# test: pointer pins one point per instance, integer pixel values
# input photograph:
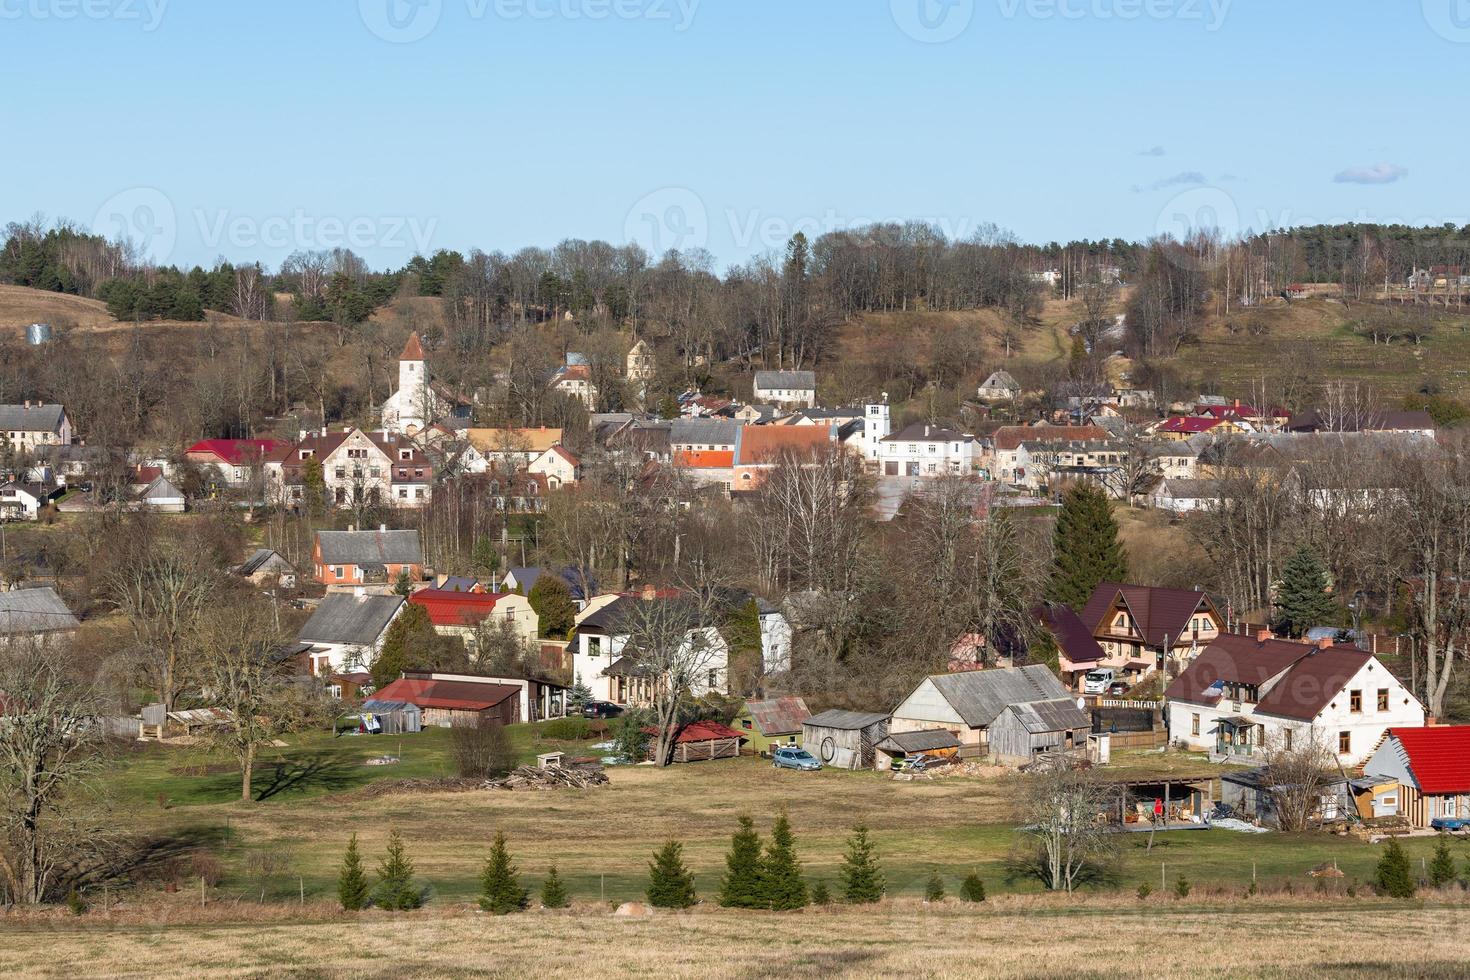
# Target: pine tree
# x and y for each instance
(579, 695)
(741, 886)
(500, 891)
(1393, 877)
(821, 895)
(396, 890)
(552, 602)
(553, 892)
(1087, 549)
(1442, 867)
(972, 889)
(404, 584)
(670, 884)
(781, 883)
(1302, 600)
(934, 888)
(862, 878)
(352, 884)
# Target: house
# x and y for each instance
(791, 389)
(922, 450)
(845, 739)
(25, 501)
(161, 496)
(233, 463)
(1180, 428)
(601, 660)
(1023, 731)
(642, 365)
(455, 700)
(575, 381)
(351, 558)
(418, 402)
(558, 465)
(35, 616)
(1414, 423)
(771, 722)
(703, 435)
(1007, 455)
(269, 569)
(347, 630)
(761, 448)
(757, 414)
(1245, 695)
(468, 615)
(355, 468)
(938, 744)
(1041, 464)
(1422, 775)
(1077, 650)
(1140, 628)
(509, 450)
(1185, 496)
(966, 704)
(30, 426)
(581, 583)
(701, 741)
(1000, 387)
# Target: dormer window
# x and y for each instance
(405, 455)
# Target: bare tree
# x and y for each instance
(163, 589)
(1296, 777)
(1060, 813)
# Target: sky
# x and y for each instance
(207, 128)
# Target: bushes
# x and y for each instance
(500, 890)
(1393, 877)
(1442, 866)
(741, 886)
(934, 888)
(482, 752)
(670, 883)
(553, 892)
(396, 890)
(782, 886)
(862, 878)
(972, 889)
(567, 729)
(352, 885)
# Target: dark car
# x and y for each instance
(601, 709)
(1118, 689)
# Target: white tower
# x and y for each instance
(408, 410)
(877, 426)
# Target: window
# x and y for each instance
(1383, 699)
(1286, 734)
(1344, 743)
(1194, 725)
(341, 473)
(1355, 702)
(339, 571)
(714, 678)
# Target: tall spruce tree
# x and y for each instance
(781, 883)
(501, 892)
(1393, 876)
(352, 884)
(396, 890)
(1302, 600)
(670, 884)
(553, 891)
(551, 600)
(1087, 550)
(862, 879)
(1442, 865)
(741, 886)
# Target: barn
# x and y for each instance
(844, 739)
(460, 703)
(701, 741)
(1025, 730)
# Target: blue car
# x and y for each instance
(794, 757)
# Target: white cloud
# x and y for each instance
(1153, 151)
(1379, 173)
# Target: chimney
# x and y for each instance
(1326, 643)
(360, 593)
(926, 432)
(382, 528)
(1263, 636)
(649, 593)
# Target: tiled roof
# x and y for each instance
(705, 459)
(1312, 683)
(1159, 615)
(413, 350)
(1009, 438)
(1191, 424)
(920, 432)
(1073, 637)
(513, 440)
(766, 443)
(1438, 757)
(785, 380)
(237, 452)
(1234, 659)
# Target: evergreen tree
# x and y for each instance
(781, 883)
(1393, 877)
(670, 884)
(314, 482)
(553, 892)
(404, 585)
(934, 888)
(500, 891)
(821, 895)
(1442, 867)
(552, 602)
(396, 890)
(579, 695)
(741, 886)
(1302, 600)
(352, 884)
(1088, 552)
(862, 878)
(972, 889)
(483, 556)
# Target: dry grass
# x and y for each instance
(1006, 938)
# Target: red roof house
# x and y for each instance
(1423, 774)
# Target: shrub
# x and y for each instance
(74, 903)
(553, 892)
(1181, 887)
(566, 729)
(482, 751)
(972, 889)
(862, 878)
(352, 885)
(1144, 891)
(934, 888)
(500, 891)
(1393, 877)
(820, 894)
(396, 890)
(632, 741)
(741, 886)
(670, 883)
(1442, 867)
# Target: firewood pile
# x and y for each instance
(551, 777)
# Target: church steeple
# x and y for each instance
(413, 350)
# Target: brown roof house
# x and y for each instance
(1140, 628)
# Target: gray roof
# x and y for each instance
(351, 619)
(34, 611)
(704, 432)
(36, 418)
(161, 489)
(928, 741)
(1001, 379)
(786, 379)
(920, 432)
(1190, 489)
(370, 547)
(979, 696)
(1060, 715)
(258, 560)
(844, 720)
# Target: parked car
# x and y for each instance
(1097, 681)
(794, 757)
(1118, 689)
(601, 710)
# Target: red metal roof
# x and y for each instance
(702, 731)
(706, 459)
(456, 608)
(1189, 425)
(450, 695)
(1439, 757)
(237, 452)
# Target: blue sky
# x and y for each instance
(251, 129)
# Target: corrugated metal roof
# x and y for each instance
(34, 611)
(778, 716)
(845, 720)
(929, 741)
(370, 547)
(1060, 715)
(351, 619)
(981, 695)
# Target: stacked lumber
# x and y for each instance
(551, 777)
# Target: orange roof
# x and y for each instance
(1010, 437)
(764, 443)
(413, 350)
(718, 459)
(513, 440)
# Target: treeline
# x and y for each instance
(1357, 256)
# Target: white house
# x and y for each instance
(347, 630)
(927, 450)
(1000, 387)
(598, 659)
(30, 425)
(792, 389)
(23, 501)
(1184, 496)
(559, 465)
(1244, 695)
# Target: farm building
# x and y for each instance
(967, 704)
(35, 616)
(702, 741)
(845, 739)
(386, 717)
(935, 744)
(1422, 775)
(1023, 731)
(459, 703)
(776, 721)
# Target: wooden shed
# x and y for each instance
(1023, 731)
(938, 743)
(702, 741)
(844, 739)
(456, 703)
